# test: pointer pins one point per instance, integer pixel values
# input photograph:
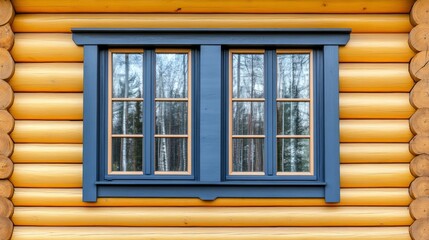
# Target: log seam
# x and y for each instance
(7, 121)
(419, 121)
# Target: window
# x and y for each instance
(211, 113)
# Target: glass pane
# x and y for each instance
(127, 154)
(127, 117)
(171, 154)
(293, 118)
(293, 75)
(248, 118)
(293, 155)
(171, 118)
(247, 75)
(127, 75)
(171, 75)
(247, 155)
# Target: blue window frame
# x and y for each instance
(210, 175)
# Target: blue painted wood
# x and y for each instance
(149, 103)
(90, 123)
(270, 112)
(243, 37)
(210, 112)
(331, 124)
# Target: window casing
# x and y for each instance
(210, 129)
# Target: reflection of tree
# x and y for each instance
(171, 116)
(127, 116)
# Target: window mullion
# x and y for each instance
(148, 132)
(270, 113)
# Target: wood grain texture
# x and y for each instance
(214, 217)
(372, 153)
(198, 233)
(419, 12)
(419, 145)
(72, 197)
(49, 106)
(418, 66)
(47, 77)
(419, 166)
(47, 132)
(70, 175)
(6, 188)
(207, 6)
(375, 105)
(7, 66)
(419, 230)
(7, 37)
(359, 23)
(419, 96)
(419, 38)
(6, 167)
(374, 77)
(6, 227)
(419, 208)
(6, 121)
(47, 153)
(6, 144)
(6, 12)
(57, 47)
(419, 122)
(375, 131)
(6, 207)
(6, 95)
(420, 187)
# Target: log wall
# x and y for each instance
(374, 109)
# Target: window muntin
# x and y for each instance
(248, 113)
(171, 113)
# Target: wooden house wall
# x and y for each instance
(374, 126)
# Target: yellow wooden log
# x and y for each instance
(419, 122)
(7, 66)
(6, 12)
(418, 14)
(6, 228)
(376, 48)
(207, 6)
(68, 106)
(382, 175)
(72, 197)
(419, 38)
(351, 131)
(419, 230)
(6, 167)
(349, 153)
(6, 189)
(419, 208)
(50, 106)
(375, 131)
(52, 47)
(47, 132)
(6, 121)
(70, 175)
(374, 77)
(419, 167)
(372, 153)
(420, 187)
(419, 96)
(6, 207)
(47, 77)
(6, 144)
(366, 23)
(7, 37)
(197, 233)
(418, 66)
(374, 105)
(55, 47)
(47, 153)
(214, 217)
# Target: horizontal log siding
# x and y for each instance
(374, 110)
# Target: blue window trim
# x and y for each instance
(210, 150)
